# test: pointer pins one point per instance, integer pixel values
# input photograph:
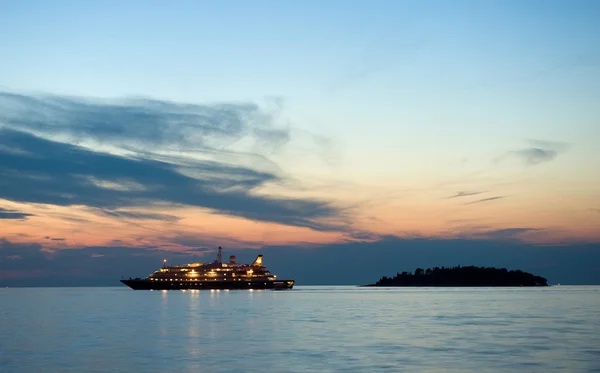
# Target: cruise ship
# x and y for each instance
(212, 275)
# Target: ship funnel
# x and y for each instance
(257, 261)
(232, 259)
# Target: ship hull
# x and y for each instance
(143, 284)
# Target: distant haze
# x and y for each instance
(341, 264)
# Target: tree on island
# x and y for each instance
(463, 276)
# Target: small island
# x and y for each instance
(462, 276)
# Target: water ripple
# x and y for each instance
(309, 329)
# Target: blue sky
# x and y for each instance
(200, 50)
(435, 68)
(351, 119)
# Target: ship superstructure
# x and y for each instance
(212, 275)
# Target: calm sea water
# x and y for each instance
(307, 329)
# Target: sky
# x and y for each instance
(171, 128)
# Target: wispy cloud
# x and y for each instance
(54, 238)
(536, 155)
(484, 200)
(540, 152)
(116, 157)
(507, 233)
(145, 124)
(13, 214)
(139, 215)
(464, 194)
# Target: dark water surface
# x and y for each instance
(307, 329)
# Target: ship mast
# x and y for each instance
(220, 255)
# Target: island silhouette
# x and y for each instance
(462, 276)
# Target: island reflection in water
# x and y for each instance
(308, 329)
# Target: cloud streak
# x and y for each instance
(144, 124)
(536, 155)
(13, 214)
(139, 215)
(507, 233)
(54, 238)
(484, 200)
(464, 194)
(68, 175)
(159, 153)
(539, 152)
